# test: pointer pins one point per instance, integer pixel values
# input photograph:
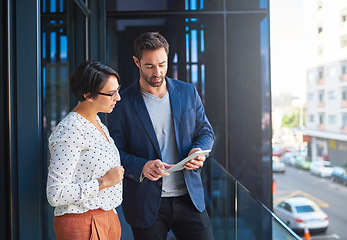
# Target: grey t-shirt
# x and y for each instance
(160, 113)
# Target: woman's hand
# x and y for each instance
(111, 178)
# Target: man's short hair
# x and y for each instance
(149, 41)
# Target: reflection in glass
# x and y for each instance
(235, 213)
(164, 5)
(54, 79)
(246, 4)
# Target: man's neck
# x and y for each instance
(156, 91)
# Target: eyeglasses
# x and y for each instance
(112, 95)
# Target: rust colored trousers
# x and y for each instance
(92, 225)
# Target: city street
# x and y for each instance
(330, 196)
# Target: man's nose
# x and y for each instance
(157, 72)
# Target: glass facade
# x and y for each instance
(221, 47)
(55, 93)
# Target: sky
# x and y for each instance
(286, 48)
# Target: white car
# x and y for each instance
(301, 212)
(278, 165)
(321, 168)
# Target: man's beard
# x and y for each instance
(153, 84)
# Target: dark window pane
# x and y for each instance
(55, 91)
(246, 4)
(164, 5)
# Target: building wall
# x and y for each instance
(326, 67)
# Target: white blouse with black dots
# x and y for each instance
(79, 155)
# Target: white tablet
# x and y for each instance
(179, 166)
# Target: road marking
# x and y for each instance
(335, 236)
(326, 237)
(299, 192)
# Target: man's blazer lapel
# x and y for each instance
(175, 102)
(143, 115)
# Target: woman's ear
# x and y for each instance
(88, 97)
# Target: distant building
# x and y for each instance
(326, 114)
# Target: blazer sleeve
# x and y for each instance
(203, 136)
(119, 125)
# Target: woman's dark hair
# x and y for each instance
(149, 41)
(90, 77)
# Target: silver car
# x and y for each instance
(321, 168)
(301, 212)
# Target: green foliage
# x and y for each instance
(291, 121)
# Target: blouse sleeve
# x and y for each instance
(66, 144)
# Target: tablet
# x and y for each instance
(179, 165)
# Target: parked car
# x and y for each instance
(278, 165)
(321, 168)
(339, 174)
(302, 162)
(277, 150)
(301, 212)
(289, 158)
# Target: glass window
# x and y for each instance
(304, 209)
(54, 63)
(331, 119)
(320, 73)
(343, 68)
(321, 96)
(331, 95)
(286, 206)
(344, 120)
(321, 118)
(246, 4)
(311, 118)
(163, 5)
(55, 91)
(320, 29)
(344, 94)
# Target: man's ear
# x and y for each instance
(137, 61)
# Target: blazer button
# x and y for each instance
(131, 176)
(159, 184)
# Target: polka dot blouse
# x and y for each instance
(79, 155)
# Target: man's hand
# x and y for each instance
(195, 163)
(154, 169)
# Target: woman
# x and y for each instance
(84, 181)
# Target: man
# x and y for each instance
(159, 122)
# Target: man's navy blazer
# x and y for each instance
(132, 130)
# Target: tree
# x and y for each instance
(292, 120)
